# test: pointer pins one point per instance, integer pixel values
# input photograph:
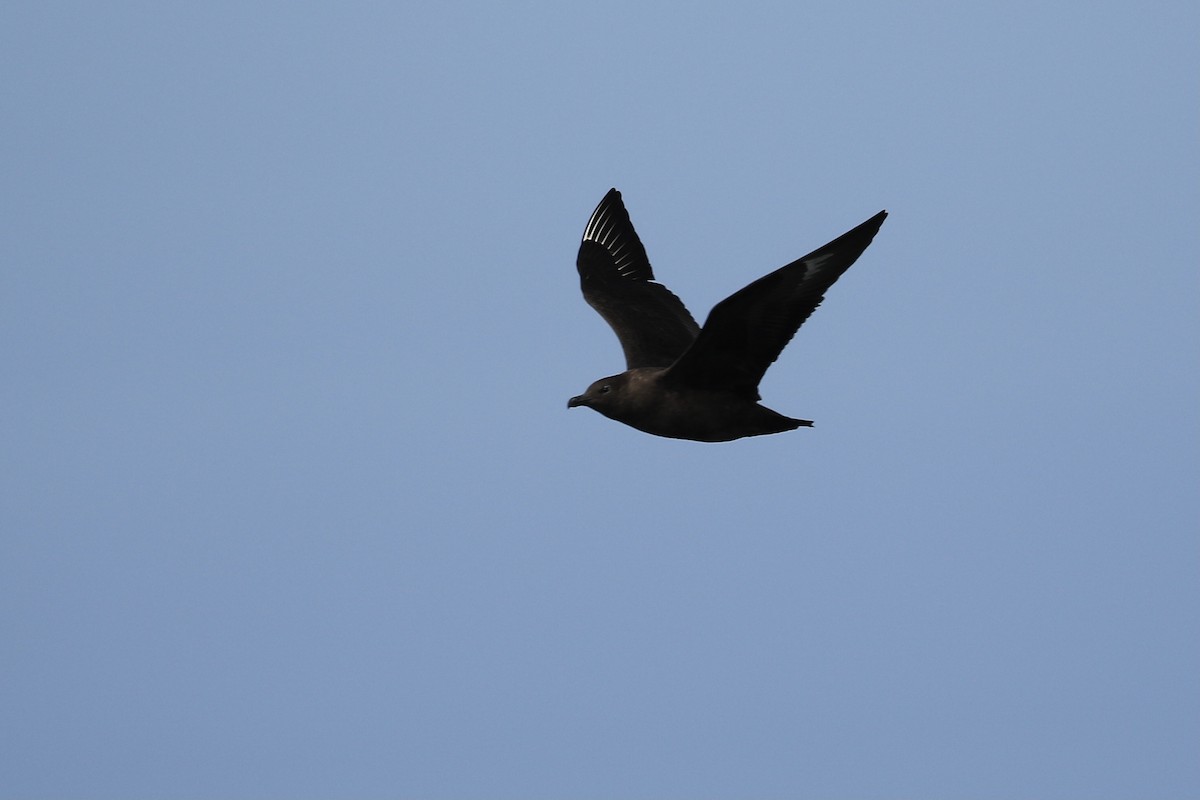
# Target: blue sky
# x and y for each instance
(292, 504)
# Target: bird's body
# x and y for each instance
(684, 381)
(647, 399)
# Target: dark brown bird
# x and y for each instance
(684, 381)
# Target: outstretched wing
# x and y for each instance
(746, 331)
(653, 325)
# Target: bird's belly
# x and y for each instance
(706, 417)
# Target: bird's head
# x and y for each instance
(603, 395)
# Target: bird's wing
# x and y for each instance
(653, 325)
(746, 331)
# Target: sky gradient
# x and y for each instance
(292, 505)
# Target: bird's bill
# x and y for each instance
(576, 401)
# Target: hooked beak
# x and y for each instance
(576, 401)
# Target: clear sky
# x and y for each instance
(291, 504)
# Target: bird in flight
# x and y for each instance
(687, 382)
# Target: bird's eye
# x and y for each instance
(605, 389)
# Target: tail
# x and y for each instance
(774, 422)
